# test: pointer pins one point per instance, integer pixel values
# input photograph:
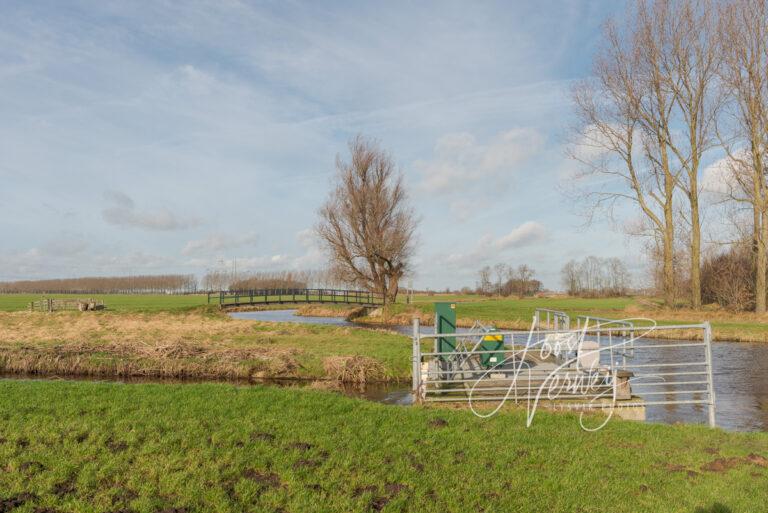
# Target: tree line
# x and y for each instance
(215, 280)
(281, 280)
(141, 284)
(679, 82)
(596, 277)
(506, 280)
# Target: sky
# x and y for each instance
(157, 137)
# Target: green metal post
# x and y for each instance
(445, 323)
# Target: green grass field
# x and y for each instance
(85, 447)
(114, 302)
(518, 313)
(504, 309)
(503, 312)
(98, 447)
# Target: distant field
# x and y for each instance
(518, 313)
(504, 309)
(115, 302)
(503, 312)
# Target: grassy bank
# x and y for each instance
(517, 313)
(199, 344)
(502, 312)
(149, 448)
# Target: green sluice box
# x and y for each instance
(445, 322)
(491, 342)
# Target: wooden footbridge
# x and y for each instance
(237, 298)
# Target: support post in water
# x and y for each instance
(710, 381)
(416, 359)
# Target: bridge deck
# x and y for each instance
(282, 296)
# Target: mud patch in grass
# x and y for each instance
(266, 479)
(16, 501)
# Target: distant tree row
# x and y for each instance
(596, 277)
(280, 280)
(143, 284)
(505, 280)
(216, 280)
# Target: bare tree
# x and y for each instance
(367, 225)
(690, 66)
(619, 140)
(484, 284)
(728, 278)
(596, 277)
(525, 277)
(744, 46)
(501, 271)
(280, 280)
(570, 277)
(647, 118)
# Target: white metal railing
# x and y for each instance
(551, 319)
(611, 365)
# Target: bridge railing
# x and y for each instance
(277, 296)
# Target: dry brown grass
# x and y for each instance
(166, 345)
(325, 311)
(354, 369)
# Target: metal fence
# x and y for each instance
(279, 296)
(55, 304)
(600, 365)
(551, 319)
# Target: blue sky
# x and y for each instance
(146, 137)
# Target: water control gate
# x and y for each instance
(601, 364)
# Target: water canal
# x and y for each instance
(740, 378)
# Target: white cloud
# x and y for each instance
(233, 112)
(218, 242)
(527, 233)
(66, 246)
(313, 257)
(123, 212)
(718, 177)
(203, 251)
(462, 209)
(58, 259)
(459, 160)
(489, 248)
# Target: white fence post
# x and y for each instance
(416, 358)
(710, 380)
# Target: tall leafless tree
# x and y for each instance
(367, 224)
(621, 159)
(691, 62)
(647, 117)
(484, 283)
(500, 270)
(744, 47)
(596, 277)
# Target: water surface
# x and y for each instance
(740, 373)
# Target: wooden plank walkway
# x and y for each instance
(230, 298)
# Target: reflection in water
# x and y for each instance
(289, 316)
(740, 376)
